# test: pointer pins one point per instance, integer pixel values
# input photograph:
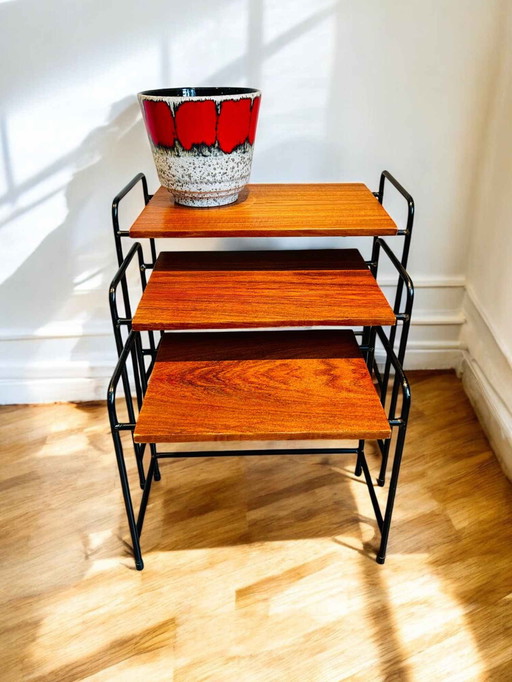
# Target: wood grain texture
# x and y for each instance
(226, 289)
(271, 210)
(254, 566)
(259, 386)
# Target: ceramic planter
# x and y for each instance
(202, 141)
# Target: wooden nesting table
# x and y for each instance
(261, 345)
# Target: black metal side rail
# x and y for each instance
(136, 522)
(133, 351)
(400, 265)
(138, 353)
(120, 234)
(403, 313)
(120, 321)
(402, 310)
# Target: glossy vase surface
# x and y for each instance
(202, 141)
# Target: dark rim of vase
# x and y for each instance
(199, 92)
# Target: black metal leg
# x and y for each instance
(139, 458)
(365, 339)
(360, 454)
(158, 475)
(125, 486)
(118, 233)
(371, 490)
(400, 382)
(371, 349)
(387, 366)
(117, 321)
(381, 480)
(381, 556)
(145, 496)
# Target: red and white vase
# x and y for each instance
(202, 141)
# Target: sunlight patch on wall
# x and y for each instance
(294, 120)
(206, 41)
(280, 17)
(48, 140)
(46, 134)
(22, 235)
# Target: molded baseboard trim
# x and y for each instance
(486, 373)
(492, 413)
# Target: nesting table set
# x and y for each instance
(262, 345)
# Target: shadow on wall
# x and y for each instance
(77, 66)
(76, 256)
(52, 268)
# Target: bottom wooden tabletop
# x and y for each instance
(259, 386)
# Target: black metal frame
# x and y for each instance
(133, 351)
(135, 522)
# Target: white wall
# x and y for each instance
(348, 89)
(487, 336)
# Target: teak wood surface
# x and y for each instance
(258, 569)
(259, 386)
(226, 289)
(271, 210)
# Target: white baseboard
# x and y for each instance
(432, 356)
(54, 390)
(486, 374)
(493, 416)
(50, 382)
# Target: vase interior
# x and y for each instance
(199, 92)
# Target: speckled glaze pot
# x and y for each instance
(202, 141)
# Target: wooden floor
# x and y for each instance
(256, 568)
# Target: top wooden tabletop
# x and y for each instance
(271, 210)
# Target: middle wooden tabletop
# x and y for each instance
(250, 289)
(271, 210)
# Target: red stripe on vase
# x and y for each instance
(159, 122)
(196, 123)
(254, 119)
(233, 125)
